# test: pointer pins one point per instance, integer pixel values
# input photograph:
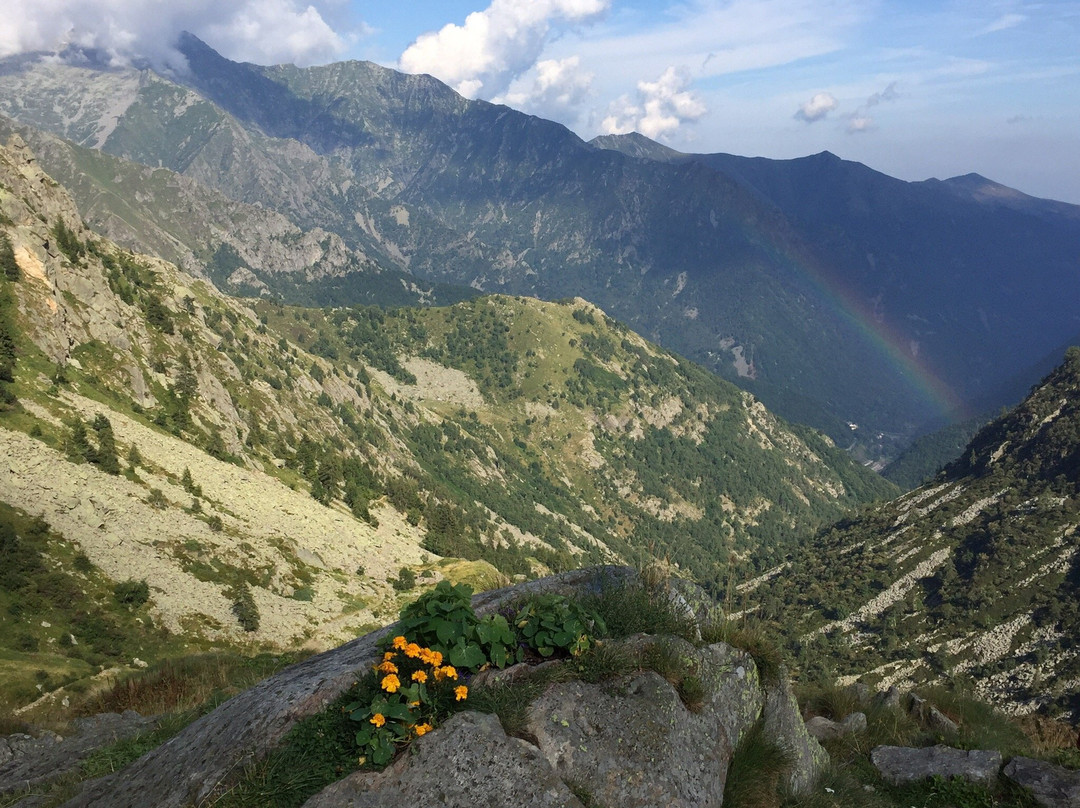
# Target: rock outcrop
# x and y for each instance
(900, 765)
(1050, 785)
(631, 741)
(27, 761)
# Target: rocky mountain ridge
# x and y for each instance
(741, 266)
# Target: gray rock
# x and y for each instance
(1050, 785)
(784, 725)
(27, 761)
(190, 766)
(634, 743)
(900, 764)
(469, 761)
(930, 716)
(889, 699)
(825, 729)
(861, 692)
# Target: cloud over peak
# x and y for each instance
(127, 31)
(497, 45)
(659, 109)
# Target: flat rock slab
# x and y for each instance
(899, 765)
(825, 729)
(469, 762)
(1050, 785)
(27, 761)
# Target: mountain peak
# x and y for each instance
(635, 144)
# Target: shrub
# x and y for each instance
(131, 593)
(405, 581)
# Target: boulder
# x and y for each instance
(633, 742)
(468, 761)
(930, 716)
(784, 724)
(1050, 785)
(899, 765)
(825, 729)
(888, 699)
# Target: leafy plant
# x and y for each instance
(551, 622)
(443, 619)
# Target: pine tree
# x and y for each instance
(77, 444)
(8, 265)
(105, 456)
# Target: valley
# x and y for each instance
(284, 350)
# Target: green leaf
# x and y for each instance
(468, 656)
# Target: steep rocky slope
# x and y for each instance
(975, 576)
(311, 467)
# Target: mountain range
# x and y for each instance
(187, 470)
(872, 308)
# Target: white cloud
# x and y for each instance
(494, 46)
(1002, 23)
(552, 89)
(860, 120)
(820, 105)
(860, 123)
(660, 108)
(264, 31)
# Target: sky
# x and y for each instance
(913, 88)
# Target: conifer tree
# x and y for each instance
(8, 265)
(105, 455)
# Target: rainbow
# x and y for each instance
(882, 337)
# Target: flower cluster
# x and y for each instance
(414, 686)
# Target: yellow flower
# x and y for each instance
(386, 667)
(414, 704)
(448, 672)
(432, 658)
(378, 719)
(461, 693)
(422, 729)
(390, 683)
(412, 650)
(419, 676)
(400, 642)
(388, 656)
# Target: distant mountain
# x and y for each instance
(283, 476)
(975, 576)
(841, 297)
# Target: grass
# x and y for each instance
(756, 775)
(179, 685)
(636, 609)
(752, 638)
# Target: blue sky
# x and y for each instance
(913, 88)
